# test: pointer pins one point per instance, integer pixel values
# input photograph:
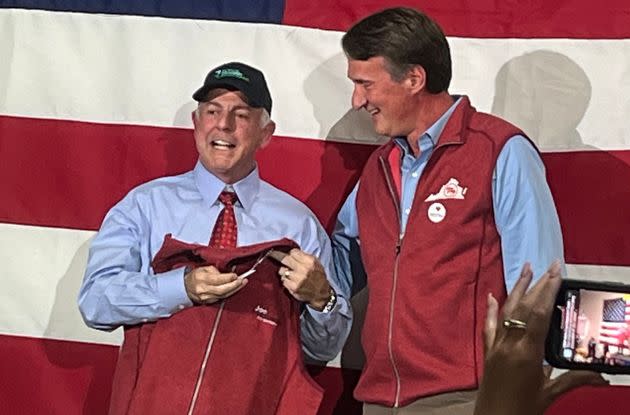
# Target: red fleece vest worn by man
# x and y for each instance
(241, 355)
(428, 289)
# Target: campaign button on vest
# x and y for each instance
(436, 212)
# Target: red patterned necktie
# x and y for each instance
(224, 232)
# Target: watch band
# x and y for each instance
(332, 301)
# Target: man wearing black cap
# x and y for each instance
(231, 123)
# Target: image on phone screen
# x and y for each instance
(594, 327)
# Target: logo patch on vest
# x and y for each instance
(262, 315)
(451, 190)
(436, 212)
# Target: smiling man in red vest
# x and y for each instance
(446, 212)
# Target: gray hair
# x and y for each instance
(265, 118)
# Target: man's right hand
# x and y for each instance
(206, 285)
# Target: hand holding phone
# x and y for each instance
(514, 380)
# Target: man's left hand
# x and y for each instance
(304, 277)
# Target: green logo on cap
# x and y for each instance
(230, 73)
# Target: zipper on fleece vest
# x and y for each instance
(202, 370)
(401, 234)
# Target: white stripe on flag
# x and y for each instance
(43, 269)
(139, 70)
(600, 273)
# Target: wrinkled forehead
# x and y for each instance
(372, 68)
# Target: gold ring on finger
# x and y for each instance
(512, 323)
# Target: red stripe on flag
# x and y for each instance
(54, 377)
(83, 375)
(319, 173)
(592, 194)
(68, 174)
(587, 400)
(73, 173)
(580, 19)
(61, 377)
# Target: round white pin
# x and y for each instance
(436, 212)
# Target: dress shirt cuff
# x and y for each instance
(172, 291)
(323, 318)
(323, 334)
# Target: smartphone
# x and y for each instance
(590, 327)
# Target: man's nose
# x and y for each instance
(358, 98)
(226, 121)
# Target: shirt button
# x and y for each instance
(407, 211)
(145, 320)
(181, 306)
(414, 174)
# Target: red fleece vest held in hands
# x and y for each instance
(241, 355)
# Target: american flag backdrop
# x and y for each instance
(95, 98)
(615, 320)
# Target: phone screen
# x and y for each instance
(594, 327)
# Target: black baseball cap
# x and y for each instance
(237, 76)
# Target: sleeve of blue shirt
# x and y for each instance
(324, 334)
(349, 270)
(118, 288)
(342, 276)
(525, 214)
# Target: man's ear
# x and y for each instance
(193, 115)
(416, 79)
(268, 131)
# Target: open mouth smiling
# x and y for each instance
(222, 144)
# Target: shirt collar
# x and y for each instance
(433, 132)
(210, 186)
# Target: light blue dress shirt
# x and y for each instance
(525, 215)
(120, 288)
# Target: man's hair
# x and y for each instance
(265, 118)
(404, 37)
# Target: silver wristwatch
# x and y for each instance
(332, 301)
